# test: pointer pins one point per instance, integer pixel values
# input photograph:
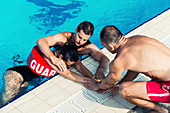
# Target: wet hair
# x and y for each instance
(87, 28)
(69, 52)
(111, 34)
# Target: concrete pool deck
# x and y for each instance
(54, 93)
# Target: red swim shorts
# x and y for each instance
(158, 91)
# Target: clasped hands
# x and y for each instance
(93, 84)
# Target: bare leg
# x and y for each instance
(23, 88)
(135, 93)
(12, 84)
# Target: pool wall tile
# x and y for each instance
(42, 87)
(23, 99)
(50, 92)
(74, 88)
(7, 108)
(58, 98)
(41, 108)
(15, 111)
(63, 84)
(30, 105)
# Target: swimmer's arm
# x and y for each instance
(73, 76)
(99, 56)
(68, 74)
(82, 69)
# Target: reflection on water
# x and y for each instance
(52, 15)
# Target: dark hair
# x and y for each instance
(87, 28)
(69, 52)
(110, 34)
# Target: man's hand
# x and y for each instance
(99, 75)
(91, 84)
(59, 63)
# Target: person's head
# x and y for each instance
(83, 32)
(110, 37)
(69, 54)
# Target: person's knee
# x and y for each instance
(12, 78)
(12, 83)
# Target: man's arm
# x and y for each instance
(114, 75)
(129, 76)
(99, 56)
(45, 43)
(116, 68)
(82, 69)
(68, 74)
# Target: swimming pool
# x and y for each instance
(22, 23)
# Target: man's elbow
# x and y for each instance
(42, 41)
(39, 41)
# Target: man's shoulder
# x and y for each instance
(124, 60)
(140, 37)
(68, 34)
(63, 34)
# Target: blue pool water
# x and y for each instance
(23, 22)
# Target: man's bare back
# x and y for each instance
(137, 54)
(147, 56)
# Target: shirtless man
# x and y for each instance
(17, 79)
(81, 40)
(137, 54)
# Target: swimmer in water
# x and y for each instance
(17, 79)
